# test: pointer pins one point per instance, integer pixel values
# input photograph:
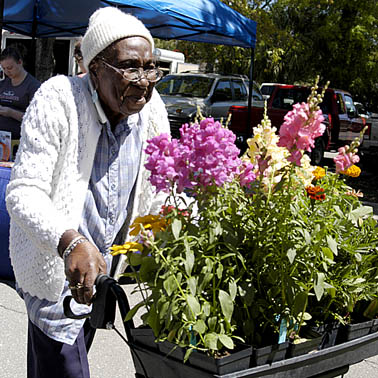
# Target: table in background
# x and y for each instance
(6, 271)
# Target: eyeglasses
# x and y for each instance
(135, 74)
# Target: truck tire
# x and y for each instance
(317, 153)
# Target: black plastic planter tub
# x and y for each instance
(151, 362)
(329, 362)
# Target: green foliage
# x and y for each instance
(242, 263)
(296, 40)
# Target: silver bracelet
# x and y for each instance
(72, 245)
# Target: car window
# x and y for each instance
(222, 91)
(240, 91)
(349, 104)
(340, 104)
(189, 86)
(284, 99)
(267, 89)
(326, 104)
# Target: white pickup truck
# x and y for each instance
(370, 143)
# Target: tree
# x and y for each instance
(336, 39)
(44, 58)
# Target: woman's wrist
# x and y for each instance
(66, 239)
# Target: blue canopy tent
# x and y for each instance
(209, 21)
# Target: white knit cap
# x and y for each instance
(107, 25)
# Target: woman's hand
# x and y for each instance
(82, 266)
(5, 111)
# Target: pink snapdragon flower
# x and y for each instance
(345, 159)
(205, 155)
(302, 125)
(162, 161)
(246, 173)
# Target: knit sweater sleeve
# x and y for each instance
(31, 188)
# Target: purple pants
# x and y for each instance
(49, 358)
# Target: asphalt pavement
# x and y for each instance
(109, 356)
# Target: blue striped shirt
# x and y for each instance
(113, 176)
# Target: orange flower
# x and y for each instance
(353, 193)
(318, 173)
(315, 193)
(352, 171)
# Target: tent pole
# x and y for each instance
(1, 21)
(33, 41)
(249, 115)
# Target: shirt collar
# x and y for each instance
(96, 101)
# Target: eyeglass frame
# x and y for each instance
(122, 72)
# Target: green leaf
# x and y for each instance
(187, 354)
(135, 259)
(189, 262)
(192, 284)
(307, 237)
(212, 322)
(200, 326)
(299, 302)
(133, 311)
(360, 212)
(332, 244)
(232, 287)
(219, 271)
(226, 304)
(176, 228)
(327, 253)
(193, 304)
(331, 291)
(147, 269)
(226, 341)
(206, 308)
(319, 286)
(211, 341)
(291, 253)
(170, 285)
(306, 316)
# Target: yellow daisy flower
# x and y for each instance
(154, 223)
(126, 248)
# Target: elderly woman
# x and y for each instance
(16, 91)
(78, 182)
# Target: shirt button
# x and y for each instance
(113, 186)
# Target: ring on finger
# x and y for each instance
(77, 286)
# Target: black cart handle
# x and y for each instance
(103, 303)
(108, 293)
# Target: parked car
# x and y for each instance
(342, 121)
(361, 110)
(267, 89)
(212, 93)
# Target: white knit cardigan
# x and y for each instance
(49, 180)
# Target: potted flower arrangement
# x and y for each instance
(249, 250)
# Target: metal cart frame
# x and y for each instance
(151, 363)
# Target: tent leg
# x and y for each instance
(1, 20)
(249, 115)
